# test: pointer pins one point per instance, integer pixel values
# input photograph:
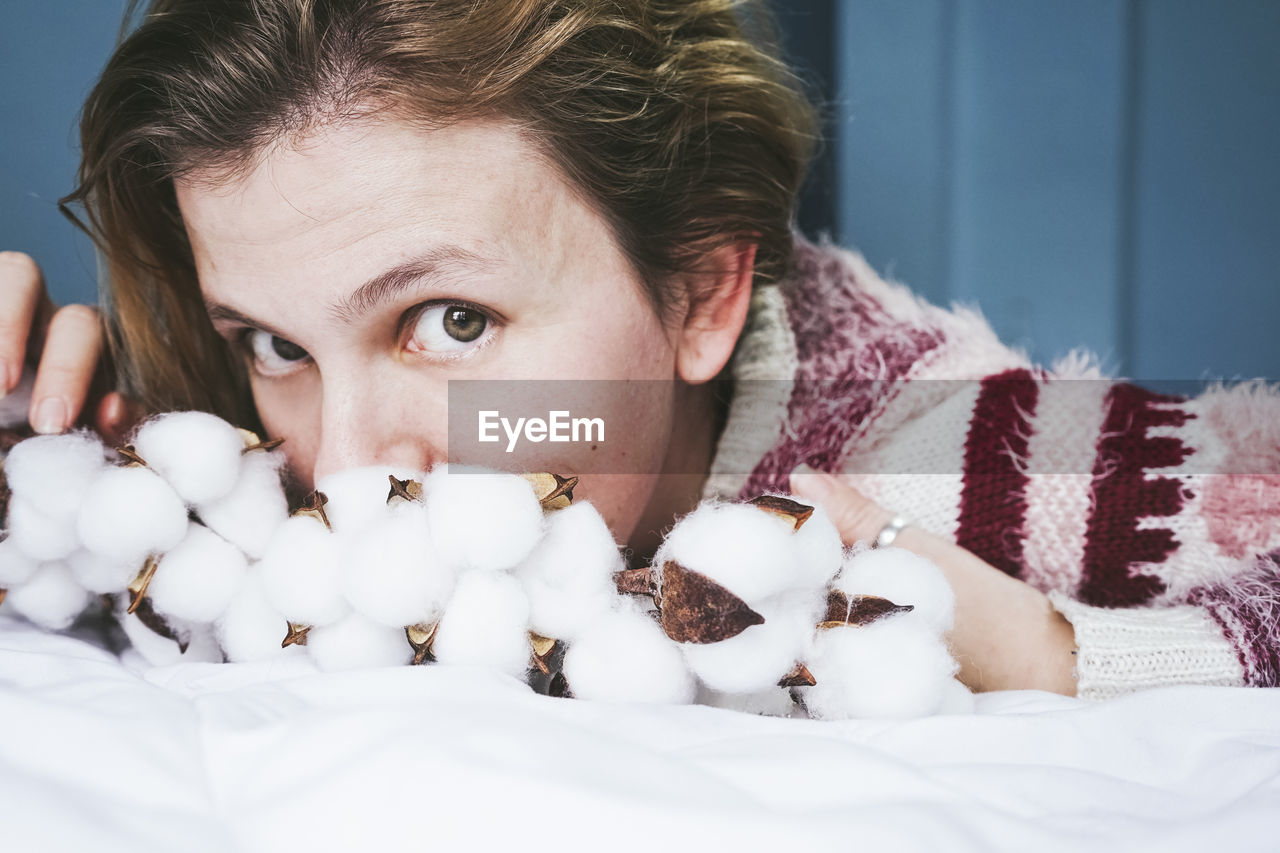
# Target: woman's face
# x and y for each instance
(361, 269)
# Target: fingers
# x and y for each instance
(116, 416)
(857, 517)
(72, 349)
(22, 298)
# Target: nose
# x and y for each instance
(370, 420)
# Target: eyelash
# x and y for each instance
(242, 340)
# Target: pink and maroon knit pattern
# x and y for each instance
(993, 503)
(850, 350)
(1160, 525)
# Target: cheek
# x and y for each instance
(291, 410)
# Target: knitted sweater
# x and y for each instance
(1152, 521)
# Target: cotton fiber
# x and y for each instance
(52, 472)
(482, 521)
(392, 573)
(247, 515)
(485, 624)
(100, 575)
(569, 576)
(15, 567)
(129, 513)
(770, 702)
(197, 579)
(357, 497)
(38, 535)
(624, 657)
(904, 578)
(357, 642)
(819, 547)
(51, 598)
(250, 628)
(736, 545)
(761, 655)
(301, 573)
(895, 667)
(197, 453)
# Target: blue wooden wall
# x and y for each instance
(1090, 172)
(1097, 172)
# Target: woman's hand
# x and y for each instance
(65, 345)
(1006, 636)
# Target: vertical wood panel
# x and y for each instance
(1038, 100)
(893, 137)
(1208, 206)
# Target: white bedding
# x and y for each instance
(98, 753)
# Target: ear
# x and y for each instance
(719, 297)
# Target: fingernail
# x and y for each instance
(811, 483)
(113, 410)
(51, 416)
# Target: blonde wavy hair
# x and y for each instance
(685, 134)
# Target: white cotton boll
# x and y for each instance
(820, 548)
(201, 645)
(255, 507)
(250, 628)
(196, 452)
(485, 624)
(51, 598)
(129, 513)
(357, 497)
(43, 537)
(100, 575)
(391, 572)
(563, 613)
(904, 578)
(197, 579)
(770, 702)
(957, 699)
(15, 567)
(896, 667)
(51, 472)
(625, 657)
(736, 545)
(355, 642)
(759, 657)
(569, 575)
(482, 521)
(301, 573)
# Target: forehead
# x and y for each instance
(352, 199)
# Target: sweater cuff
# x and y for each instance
(1122, 650)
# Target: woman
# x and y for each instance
(314, 214)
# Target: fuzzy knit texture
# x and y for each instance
(1153, 521)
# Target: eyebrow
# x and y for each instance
(437, 264)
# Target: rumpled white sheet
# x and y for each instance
(99, 754)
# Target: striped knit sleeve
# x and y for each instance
(1135, 648)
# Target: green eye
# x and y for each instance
(463, 324)
(449, 329)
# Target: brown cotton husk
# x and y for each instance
(543, 649)
(297, 635)
(696, 609)
(313, 507)
(552, 490)
(3, 593)
(148, 616)
(634, 581)
(403, 491)
(138, 586)
(130, 456)
(857, 610)
(420, 638)
(791, 513)
(254, 444)
(798, 677)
